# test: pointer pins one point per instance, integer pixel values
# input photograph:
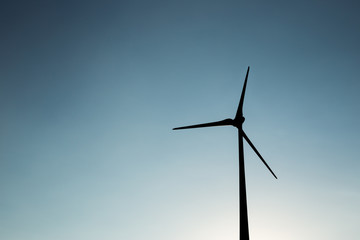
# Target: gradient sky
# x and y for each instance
(90, 90)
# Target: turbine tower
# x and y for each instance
(238, 122)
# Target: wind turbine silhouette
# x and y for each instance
(237, 122)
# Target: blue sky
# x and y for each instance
(90, 90)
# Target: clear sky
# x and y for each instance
(90, 90)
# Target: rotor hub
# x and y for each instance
(237, 122)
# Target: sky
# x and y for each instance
(90, 92)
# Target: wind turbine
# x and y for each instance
(237, 122)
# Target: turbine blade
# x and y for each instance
(256, 151)
(211, 124)
(239, 112)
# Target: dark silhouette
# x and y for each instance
(237, 122)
